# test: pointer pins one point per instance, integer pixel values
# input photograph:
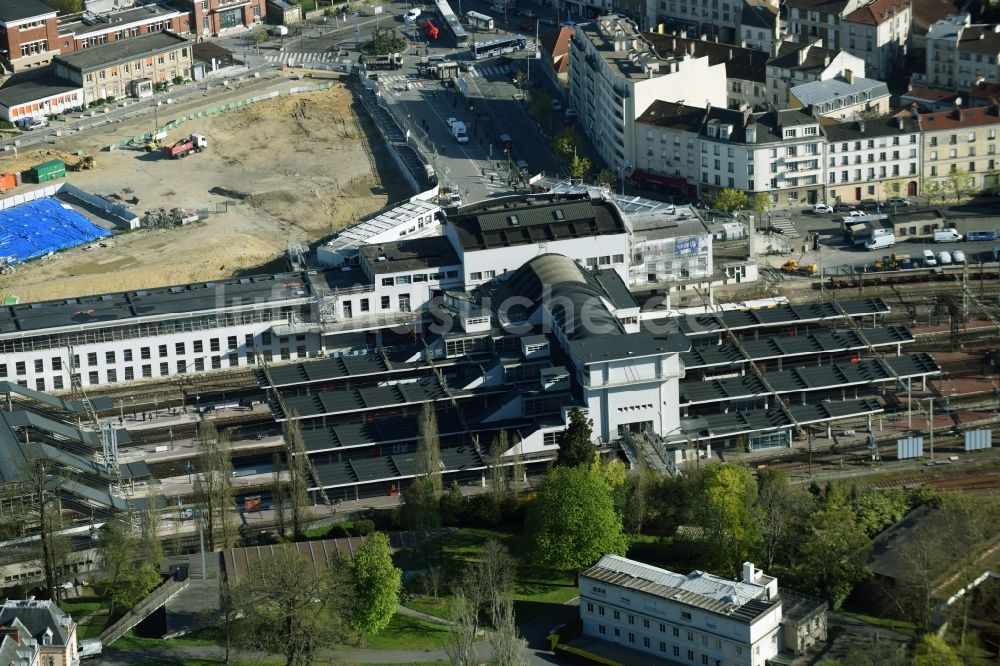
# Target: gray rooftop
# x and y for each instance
(819, 93)
(734, 423)
(696, 325)
(39, 618)
(20, 90)
(118, 20)
(391, 468)
(16, 10)
(734, 599)
(612, 38)
(411, 254)
(119, 51)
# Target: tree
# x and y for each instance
(606, 178)
(933, 651)
(376, 585)
(575, 444)
(634, 499)
(509, 649)
(129, 574)
(878, 510)
(572, 522)
(461, 643)
(498, 472)
(894, 187)
(297, 485)
(293, 607)
(958, 182)
(729, 514)
(429, 447)
(38, 490)
(519, 78)
(541, 106)
(421, 508)
(385, 40)
(833, 550)
(567, 143)
(761, 204)
(783, 511)
(729, 200)
(579, 167)
(279, 492)
(493, 577)
(213, 486)
(66, 6)
(934, 189)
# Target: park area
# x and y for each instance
(291, 169)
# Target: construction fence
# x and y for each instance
(142, 139)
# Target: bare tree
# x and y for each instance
(509, 649)
(298, 475)
(213, 486)
(431, 580)
(517, 469)
(40, 486)
(461, 643)
(279, 495)
(495, 573)
(498, 472)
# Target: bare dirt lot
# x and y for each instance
(294, 168)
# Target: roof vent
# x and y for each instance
(558, 214)
(512, 219)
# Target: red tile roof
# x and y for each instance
(556, 45)
(945, 120)
(877, 12)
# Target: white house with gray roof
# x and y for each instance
(841, 97)
(699, 618)
(44, 623)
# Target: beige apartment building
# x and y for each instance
(961, 140)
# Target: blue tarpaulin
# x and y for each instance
(39, 227)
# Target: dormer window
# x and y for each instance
(790, 133)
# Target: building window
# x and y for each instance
(92, 358)
(147, 371)
(164, 369)
(112, 375)
(364, 304)
(179, 348)
(92, 377)
(385, 303)
(39, 365)
(144, 353)
(57, 363)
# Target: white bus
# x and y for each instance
(479, 21)
(496, 47)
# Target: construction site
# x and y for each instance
(290, 169)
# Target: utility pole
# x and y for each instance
(930, 420)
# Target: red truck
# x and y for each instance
(184, 147)
(430, 29)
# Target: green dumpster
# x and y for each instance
(46, 171)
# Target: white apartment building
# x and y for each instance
(780, 152)
(699, 618)
(759, 25)
(794, 63)
(716, 20)
(879, 34)
(960, 54)
(809, 20)
(864, 156)
(615, 74)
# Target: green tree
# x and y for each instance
(128, 573)
(421, 506)
(576, 446)
(572, 522)
(784, 510)
(934, 190)
(421, 509)
(878, 510)
(295, 607)
(541, 106)
(606, 178)
(729, 200)
(933, 651)
(385, 40)
(832, 553)
(761, 204)
(66, 6)
(567, 143)
(498, 470)
(958, 182)
(729, 514)
(298, 475)
(579, 167)
(634, 497)
(213, 486)
(260, 36)
(377, 584)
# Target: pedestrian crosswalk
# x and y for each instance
(302, 59)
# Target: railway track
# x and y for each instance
(176, 391)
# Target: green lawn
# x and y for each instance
(408, 633)
(901, 626)
(131, 641)
(90, 613)
(439, 607)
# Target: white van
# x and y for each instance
(929, 259)
(879, 242)
(947, 236)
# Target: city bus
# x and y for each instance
(451, 24)
(479, 21)
(495, 47)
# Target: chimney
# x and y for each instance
(716, 38)
(703, 37)
(861, 125)
(708, 109)
(899, 122)
(957, 110)
(849, 76)
(748, 572)
(826, 60)
(803, 52)
(730, 54)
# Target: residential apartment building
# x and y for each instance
(960, 55)
(717, 20)
(759, 24)
(841, 97)
(29, 34)
(52, 630)
(879, 34)
(710, 148)
(794, 63)
(615, 74)
(961, 141)
(864, 156)
(214, 17)
(746, 69)
(809, 20)
(111, 69)
(96, 29)
(699, 618)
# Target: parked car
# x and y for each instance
(855, 213)
(944, 257)
(958, 256)
(822, 208)
(869, 204)
(526, 13)
(929, 259)
(841, 207)
(37, 123)
(411, 15)
(897, 201)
